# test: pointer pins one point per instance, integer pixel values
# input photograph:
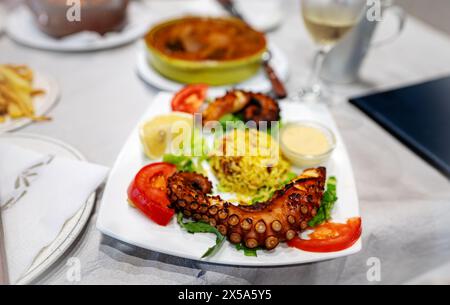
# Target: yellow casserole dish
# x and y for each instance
(213, 51)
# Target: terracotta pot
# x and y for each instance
(101, 16)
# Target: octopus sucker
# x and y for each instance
(222, 229)
(246, 224)
(264, 224)
(235, 238)
(233, 220)
(251, 243)
(260, 227)
(277, 226)
(271, 242)
(290, 234)
(291, 219)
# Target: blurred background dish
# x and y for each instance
(213, 51)
(263, 15)
(21, 27)
(258, 83)
(101, 16)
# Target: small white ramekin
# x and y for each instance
(305, 161)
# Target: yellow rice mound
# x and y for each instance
(249, 163)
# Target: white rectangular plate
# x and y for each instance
(118, 220)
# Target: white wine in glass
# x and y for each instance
(328, 21)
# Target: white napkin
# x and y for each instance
(38, 194)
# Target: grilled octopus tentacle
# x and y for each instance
(261, 108)
(255, 107)
(232, 102)
(261, 225)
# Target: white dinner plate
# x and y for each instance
(21, 27)
(118, 220)
(42, 103)
(258, 83)
(73, 226)
(263, 15)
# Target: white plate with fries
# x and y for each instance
(25, 97)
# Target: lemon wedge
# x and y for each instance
(158, 133)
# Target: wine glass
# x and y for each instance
(327, 21)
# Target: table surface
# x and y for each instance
(405, 203)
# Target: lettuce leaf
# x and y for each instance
(327, 205)
(201, 227)
(247, 251)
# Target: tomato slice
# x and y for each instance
(148, 192)
(190, 99)
(330, 237)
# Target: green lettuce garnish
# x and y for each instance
(247, 251)
(232, 120)
(326, 207)
(201, 227)
(185, 164)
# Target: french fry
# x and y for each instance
(3, 104)
(37, 92)
(14, 111)
(24, 71)
(15, 81)
(25, 103)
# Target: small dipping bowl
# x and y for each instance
(317, 135)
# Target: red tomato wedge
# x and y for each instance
(190, 99)
(330, 237)
(148, 192)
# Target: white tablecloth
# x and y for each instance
(405, 203)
